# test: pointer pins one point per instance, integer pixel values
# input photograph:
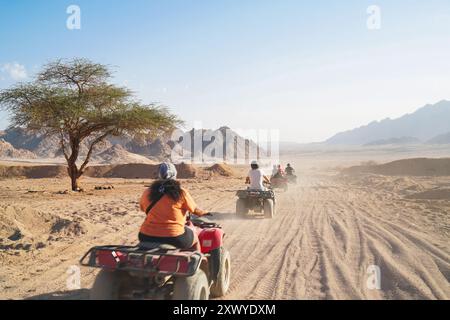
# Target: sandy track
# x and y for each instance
(325, 235)
(324, 238)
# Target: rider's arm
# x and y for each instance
(190, 205)
(266, 179)
(247, 180)
(144, 201)
(200, 212)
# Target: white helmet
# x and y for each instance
(167, 171)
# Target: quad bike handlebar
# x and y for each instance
(198, 221)
(190, 214)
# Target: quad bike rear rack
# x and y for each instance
(132, 258)
(245, 194)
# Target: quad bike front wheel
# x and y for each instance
(195, 287)
(107, 285)
(268, 208)
(241, 207)
(221, 285)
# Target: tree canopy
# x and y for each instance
(76, 100)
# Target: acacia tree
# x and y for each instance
(75, 100)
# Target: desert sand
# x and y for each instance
(328, 230)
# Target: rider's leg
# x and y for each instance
(196, 245)
(196, 242)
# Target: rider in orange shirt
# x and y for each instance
(166, 204)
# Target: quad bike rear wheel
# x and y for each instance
(221, 285)
(195, 287)
(241, 207)
(107, 285)
(268, 208)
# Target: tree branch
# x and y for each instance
(91, 148)
(63, 146)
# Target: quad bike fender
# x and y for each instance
(211, 239)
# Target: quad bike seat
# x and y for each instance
(156, 245)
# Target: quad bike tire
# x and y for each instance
(221, 285)
(107, 285)
(241, 207)
(195, 287)
(292, 179)
(269, 209)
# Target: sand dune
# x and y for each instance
(125, 171)
(408, 167)
(32, 171)
(24, 228)
(222, 170)
(435, 194)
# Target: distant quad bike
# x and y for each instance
(257, 201)
(292, 178)
(162, 272)
(279, 182)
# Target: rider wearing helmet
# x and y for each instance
(256, 178)
(289, 170)
(166, 204)
(279, 172)
(274, 170)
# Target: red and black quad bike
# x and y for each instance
(279, 182)
(163, 272)
(257, 201)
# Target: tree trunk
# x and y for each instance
(72, 168)
(74, 176)
(75, 186)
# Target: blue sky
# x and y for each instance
(307, 68)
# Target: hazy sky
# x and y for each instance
(308, 68)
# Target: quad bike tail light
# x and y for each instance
(109, 258)
(169, 264)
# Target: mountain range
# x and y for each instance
(429, 124)
(20, 143)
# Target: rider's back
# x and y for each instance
(256, 179)
(167, 217)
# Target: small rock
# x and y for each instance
(40, 245)
(17, 235)
(108, 187)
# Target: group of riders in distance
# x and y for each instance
(179, 256)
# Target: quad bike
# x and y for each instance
(291, 178)
(162, 272)
(257, 201)
(279, 182)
